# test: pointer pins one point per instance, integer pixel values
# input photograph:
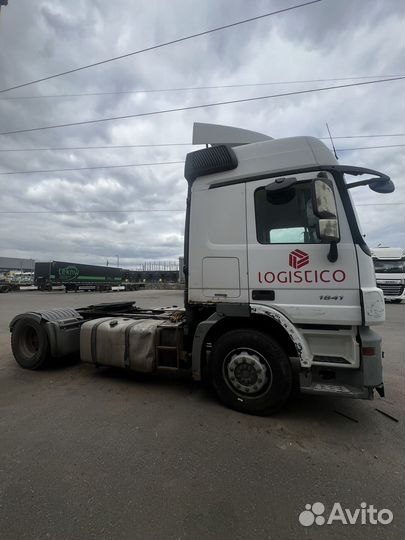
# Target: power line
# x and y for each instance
(379, 204)
(202, 106)
(143, 210)
(163, 162)
(94, 147)
(161, 45)
(370, 147)
(56, 148)
(192, 88)
(363, 136)
(91, 211)
(96, 167)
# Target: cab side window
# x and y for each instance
(286, 217)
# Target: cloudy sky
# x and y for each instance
(326, 40)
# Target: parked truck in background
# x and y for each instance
(8, 286)
(81, 277)
(16, 280)
(389, 266)
(278, 278)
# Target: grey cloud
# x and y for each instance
(322, 41)
(328, 22)
(62, 22)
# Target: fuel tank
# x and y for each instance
(121, 342)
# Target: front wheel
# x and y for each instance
(251, 372)
(29, 343)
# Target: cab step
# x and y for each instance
(330, 388)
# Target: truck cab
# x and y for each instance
(273, 236)
(389, 266)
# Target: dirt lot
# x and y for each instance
(87, 453)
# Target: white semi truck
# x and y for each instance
(389, 266)
(278, 280)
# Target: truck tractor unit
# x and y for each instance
(279, 282)
(389, 266)
(8, 286)
(15, 280)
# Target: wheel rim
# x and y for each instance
(30, 341)
(247, 372)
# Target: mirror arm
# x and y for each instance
(333, 252)
(365, 182)
(358, 171)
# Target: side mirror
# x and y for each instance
(382, 186)
(324, 207)
(328, 230)
(323, 199)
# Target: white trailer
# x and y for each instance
(389, 266)
(278, 278)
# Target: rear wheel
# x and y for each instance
(29, 343)
(251, 372)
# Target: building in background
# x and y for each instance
(8, 264)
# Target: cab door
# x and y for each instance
(288, 265)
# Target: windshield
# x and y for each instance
(392, 267)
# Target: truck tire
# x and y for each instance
(29, 343)
(251, 372)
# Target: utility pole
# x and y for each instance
(118, 261)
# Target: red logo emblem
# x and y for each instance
(298, 259)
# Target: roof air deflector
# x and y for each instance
(216, 134)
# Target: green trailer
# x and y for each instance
(75, 276)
